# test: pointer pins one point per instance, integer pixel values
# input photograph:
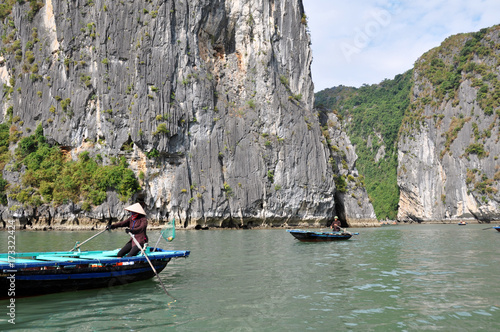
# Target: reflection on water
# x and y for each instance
(395, 278)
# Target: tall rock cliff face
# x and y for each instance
(210, 101)
(449, 150)
(352, 203)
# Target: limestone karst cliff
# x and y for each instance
(210, 102)
(448, 148)
(427, 140)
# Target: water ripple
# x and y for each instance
(404, 278)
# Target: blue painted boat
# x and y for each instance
(311, 236)
(462, 223)
(36, 273)
(497, 228)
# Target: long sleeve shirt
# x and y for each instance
(137, 227)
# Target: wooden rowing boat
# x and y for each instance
(311, 236)
(36, 273)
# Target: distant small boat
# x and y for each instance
(462, 223)
(497, 228)
(310, 236)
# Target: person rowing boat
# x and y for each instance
(136, 224)
(335, 226)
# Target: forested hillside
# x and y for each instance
(373, 115)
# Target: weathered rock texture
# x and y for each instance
(350, 199)
(448, 157)
(220, 91)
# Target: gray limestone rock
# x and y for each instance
(448, 161)
(219, 92)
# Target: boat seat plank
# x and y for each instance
(19, 260)
(104, 254)
(60, 258)
(79, 256)
(25, 260)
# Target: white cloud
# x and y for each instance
(366, 41)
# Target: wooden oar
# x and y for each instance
(78, 245)
(344, 231)
(151, 264)
(487, 228)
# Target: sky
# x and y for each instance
(360, 42)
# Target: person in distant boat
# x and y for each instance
(136, 224)
(335, 226)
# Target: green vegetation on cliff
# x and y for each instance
(6, 7)
(4, 158)
(373, 115)
(377, 116)
(51, 177)
(463, 62)
(459, 58)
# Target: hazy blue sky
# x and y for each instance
(366, 41)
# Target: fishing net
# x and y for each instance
(168, 233)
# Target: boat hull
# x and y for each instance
(497, 228)
(309, 236)
(35, 274)
(46, 282)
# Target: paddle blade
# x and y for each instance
(168, 233)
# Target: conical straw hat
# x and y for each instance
(137, 208)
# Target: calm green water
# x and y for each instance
(394, 278)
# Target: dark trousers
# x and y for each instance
(127, 248)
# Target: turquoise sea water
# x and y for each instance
(392, 278)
